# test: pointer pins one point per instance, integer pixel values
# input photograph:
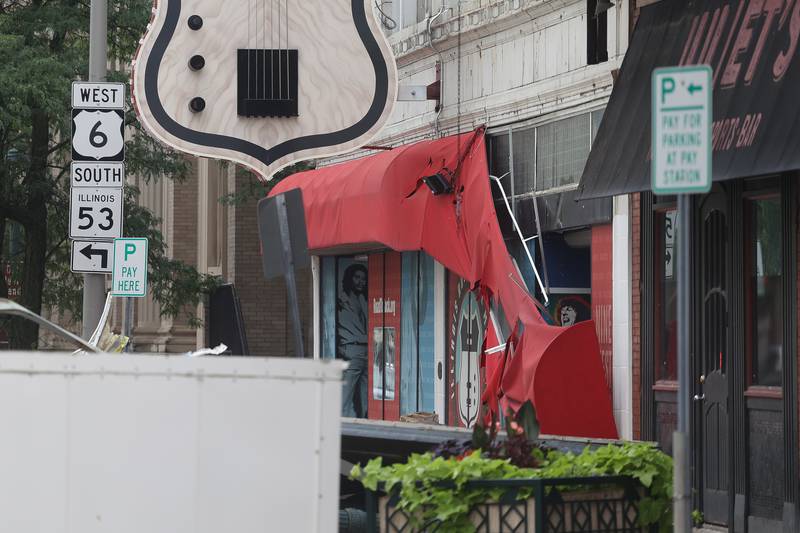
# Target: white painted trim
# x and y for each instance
(622, 341)
(570, 290)
(316, 311)
(440, 339)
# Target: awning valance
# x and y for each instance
(752, 47)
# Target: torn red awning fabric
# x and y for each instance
(378, 199)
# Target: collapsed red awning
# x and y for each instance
(378, 199)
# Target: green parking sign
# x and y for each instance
(129, 274)
(681, 131)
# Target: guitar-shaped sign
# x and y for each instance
(265, 83)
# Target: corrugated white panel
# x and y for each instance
(528, 60)
(539, 55)
(488, 58)
(552, 44)
(468, 76)
(565, 48)
(576, 28)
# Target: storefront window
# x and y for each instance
(343, 323)
(666, 324)
(763, 287)
(328, 307)
(378, 312)
(417, 325)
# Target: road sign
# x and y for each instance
(95, 213)
(92, 257)
(129, 275)
(681, 130)
(97, 175)
(98, 135)
(98, 95)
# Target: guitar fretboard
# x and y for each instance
(267, 83)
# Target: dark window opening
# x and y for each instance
(665, 296)
(763, 290)
(596, 35)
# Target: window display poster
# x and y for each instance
(352, 336)
(384, 295)
(383, 378)
(569, 309)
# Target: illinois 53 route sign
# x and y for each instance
(129, 275)
(95, 213)
(98, 135)
(681, 135)
(92, 257)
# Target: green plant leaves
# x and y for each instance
(432, 488)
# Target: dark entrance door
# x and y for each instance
(713, 358)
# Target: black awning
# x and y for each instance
(752, 46)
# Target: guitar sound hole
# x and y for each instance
(267, 83)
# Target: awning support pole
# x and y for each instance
(521, 238)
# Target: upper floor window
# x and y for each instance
(545, 159)
(405, 13)
(596, 34)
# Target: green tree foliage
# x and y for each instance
(44, 46)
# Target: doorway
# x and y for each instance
(713, 358)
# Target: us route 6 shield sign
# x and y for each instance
(98, 135)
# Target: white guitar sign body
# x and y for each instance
(264, 83)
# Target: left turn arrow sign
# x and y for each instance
(91, 256)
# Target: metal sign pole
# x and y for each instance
(682, 114)
(94, 285)
(680, 438)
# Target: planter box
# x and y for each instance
(613, 508)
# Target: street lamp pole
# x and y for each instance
(94, 285)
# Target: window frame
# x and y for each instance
(511, 190)
(759, 189)
(661, 205)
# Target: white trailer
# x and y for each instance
(135, 444)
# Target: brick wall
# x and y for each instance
(636, 308)
(183, 247)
